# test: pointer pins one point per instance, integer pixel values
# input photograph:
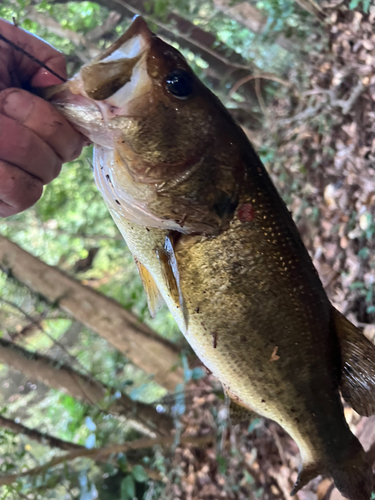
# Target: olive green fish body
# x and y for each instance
(256, 314)
(212, 239)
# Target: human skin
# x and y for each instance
(35, 140)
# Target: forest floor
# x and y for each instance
(324, 155)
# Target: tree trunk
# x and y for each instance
(141, 345)
(62, 377)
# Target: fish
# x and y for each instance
(214, 241)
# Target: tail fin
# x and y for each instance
(358, 366)
(351, 473)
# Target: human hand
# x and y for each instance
(34, 138)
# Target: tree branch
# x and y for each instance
(248, 78)
(91, 51)
(101, 454)
(313, 8)
(44, 227)
(54, 442)
(62, 377)
(139, 343)
(39, 437)
(113, 19)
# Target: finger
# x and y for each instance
(44, 120)
(18, 190)
(21, 147)
(29, 71)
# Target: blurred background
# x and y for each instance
(76, 369)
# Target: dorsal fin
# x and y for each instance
(358, 366)
(154, 299)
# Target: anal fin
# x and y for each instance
(358, 366)
(237, 412)
(154, 299)
(305, 474)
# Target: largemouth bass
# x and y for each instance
(213, 240)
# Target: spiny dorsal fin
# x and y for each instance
(154, 298)
(358, 366)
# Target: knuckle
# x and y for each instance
(47, 166)
(57, 169)
(76, 149)
(25, 145)
(6, 210)
(28, 194)
(18, 190)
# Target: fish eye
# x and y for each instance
(180, 84)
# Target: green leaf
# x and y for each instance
(127, 489)
(354, 4)
(123, 463)
(27, 24)
(357, 285)
(198, 372)
(366, 5)
(364, 253)
(139, 474)
(253, 425)
(222, 462)
(249, 478)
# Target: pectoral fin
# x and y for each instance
(154, 298)
(171, 275)
(358, 366)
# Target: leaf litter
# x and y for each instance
(323, 163)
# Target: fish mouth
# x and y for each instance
(120, 74)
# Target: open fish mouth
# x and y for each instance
(109, 87)
(119, 75)
(105, 87)
(120, 70)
